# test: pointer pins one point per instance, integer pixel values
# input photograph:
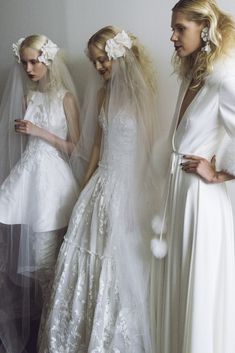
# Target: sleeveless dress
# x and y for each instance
(87, 312)
(41, 189)
(37, 198)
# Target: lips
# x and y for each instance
(177, 47)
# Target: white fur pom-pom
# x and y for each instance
(159, 248)
(157, 225)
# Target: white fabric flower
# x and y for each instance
(16, 49)
(49, 50)
(205, 34)
(116, 47)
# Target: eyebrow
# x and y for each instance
(29, 59)
(178, 25)
(99, 57)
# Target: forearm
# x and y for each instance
(60, 144)
(93, 163)
(221, 177)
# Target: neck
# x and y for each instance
(42, 83)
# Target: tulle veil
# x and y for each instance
(21, 300)
(128, 93)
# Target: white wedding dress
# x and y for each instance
(39, 194)
(41, 189)
(94, 307)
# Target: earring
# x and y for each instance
(206, 38)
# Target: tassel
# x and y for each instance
(159, 246)
(157, 225)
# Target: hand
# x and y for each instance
(26, 127)
(202, 167)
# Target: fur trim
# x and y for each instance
(159, 248)
(227, 159)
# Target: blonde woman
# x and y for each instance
(100, 297)
(39, 129)
(196, 307)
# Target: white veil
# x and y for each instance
(137, 193)
(130, 93)
(21, 300)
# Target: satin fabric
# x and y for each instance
(196, 281)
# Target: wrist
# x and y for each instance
(216, 177)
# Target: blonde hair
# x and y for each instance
(221, 35)
(100, 38)
(55, 81)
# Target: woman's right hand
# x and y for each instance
(27, 127)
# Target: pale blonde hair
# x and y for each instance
(100, 38)
(55, 77)
(221, 33)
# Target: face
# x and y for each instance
(186, 34)
(34, 68)
(101, 62)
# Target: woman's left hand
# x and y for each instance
(27, 127)
(202, 167)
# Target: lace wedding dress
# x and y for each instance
(96, 302)
(41, 189)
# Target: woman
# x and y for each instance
(196, 288)
(38, 189)
(100, 297)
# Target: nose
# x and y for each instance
(98, 65)
(174, 37)
(28, 67)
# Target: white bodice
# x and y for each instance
(48, 114)
(119, 141)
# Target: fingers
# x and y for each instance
(194, 158)
(190, 167)
(213, 161)
(22, 126)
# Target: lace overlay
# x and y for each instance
(86, 313)
(41, 169)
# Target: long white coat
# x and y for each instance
(196, 288)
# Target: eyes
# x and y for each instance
(32, 62)
(179, 29)
(101, 60)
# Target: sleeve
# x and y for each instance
(227, 116)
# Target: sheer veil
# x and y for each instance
(129, 96)
(20, 294)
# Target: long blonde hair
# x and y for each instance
(221, 33)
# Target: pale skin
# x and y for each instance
(104, 66)
(187, 42)
(37, 72)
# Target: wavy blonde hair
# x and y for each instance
(100, 38)
(221, 33)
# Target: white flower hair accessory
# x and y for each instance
(116, 46)
(16, 49)
(49, 51)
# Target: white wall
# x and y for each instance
(71, 22)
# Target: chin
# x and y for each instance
(106, 77)
(34, 79)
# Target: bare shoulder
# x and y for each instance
(69, 99)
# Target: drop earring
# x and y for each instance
(206, 39)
